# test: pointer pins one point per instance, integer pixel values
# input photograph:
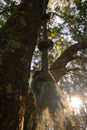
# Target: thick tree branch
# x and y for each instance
(58, 69)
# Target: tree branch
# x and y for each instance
(54, 13)
(76, 69)
(80, 57)
(58, 69)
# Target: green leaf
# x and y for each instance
(69, 0)
(60, 51)
(53, 35)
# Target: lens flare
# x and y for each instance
(76, 102)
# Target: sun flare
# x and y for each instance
(76, 102)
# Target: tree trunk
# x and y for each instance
(18, 39)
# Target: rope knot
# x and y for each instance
(46, 44)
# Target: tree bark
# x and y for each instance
(18, 38)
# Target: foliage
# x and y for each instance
(6, 9)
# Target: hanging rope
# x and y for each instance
(46, 43)
(44, 18)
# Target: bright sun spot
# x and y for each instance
(76, 102)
